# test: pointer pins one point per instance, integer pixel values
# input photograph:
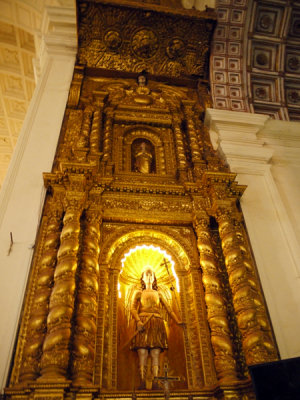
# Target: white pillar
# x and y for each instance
(22, 194)
(256, 149)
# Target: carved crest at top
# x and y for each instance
(123, 38)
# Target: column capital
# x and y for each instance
(58, 35)
(236, 136)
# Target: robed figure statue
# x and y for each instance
(148, 307)
(143, 157)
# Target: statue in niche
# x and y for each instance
(142, 92)
(148, 308)
(143, 157)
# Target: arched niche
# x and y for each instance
(154, 144)
(183, 354)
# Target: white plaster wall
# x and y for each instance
(22, 194)
(265, 155)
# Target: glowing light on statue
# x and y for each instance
(170, 268)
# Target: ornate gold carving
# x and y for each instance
(148, 205)
(95, 178)
(36, 328)
(75, 88)
(83, 352)
(144, 43)
(216, 304)
(56, 354)
(252, 320)
(106, 40)
(112, 39)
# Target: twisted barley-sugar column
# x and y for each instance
(248, 303)
(83, 353)
(56, 354)
(36, 329)
(95, 132)
(83, 141)
(182, 165)
(216, 304)
(107, 142)
(195, 149)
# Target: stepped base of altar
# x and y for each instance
(64, 391)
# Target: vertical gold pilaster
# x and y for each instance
(102, 299)
(113, 337)
(216, 304)
(205, 350)
(35, 333)
(84, 339)
(258, 343)
(56, 354)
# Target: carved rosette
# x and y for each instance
(83, 353)
(216, 304)
(258, 343)
(36, 328)
(56, 354)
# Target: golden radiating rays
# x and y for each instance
(138, 258)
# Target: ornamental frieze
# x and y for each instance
(148, 205)
(124, 38)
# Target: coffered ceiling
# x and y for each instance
(19, 20)
(255, 60)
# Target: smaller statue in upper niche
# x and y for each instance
(143, 157)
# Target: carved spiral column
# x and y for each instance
(248, 303)
(95, 137)
(195, 149)
(36, 329)
(182, 165)
(55, 358)
(95, 132)
(216, 304)
(86, 305)
(107, 141)
(83, 141)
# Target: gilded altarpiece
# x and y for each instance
(136, 182)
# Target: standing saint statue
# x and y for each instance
(143, 158)
(147, 309)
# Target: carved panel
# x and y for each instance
(157, 42)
